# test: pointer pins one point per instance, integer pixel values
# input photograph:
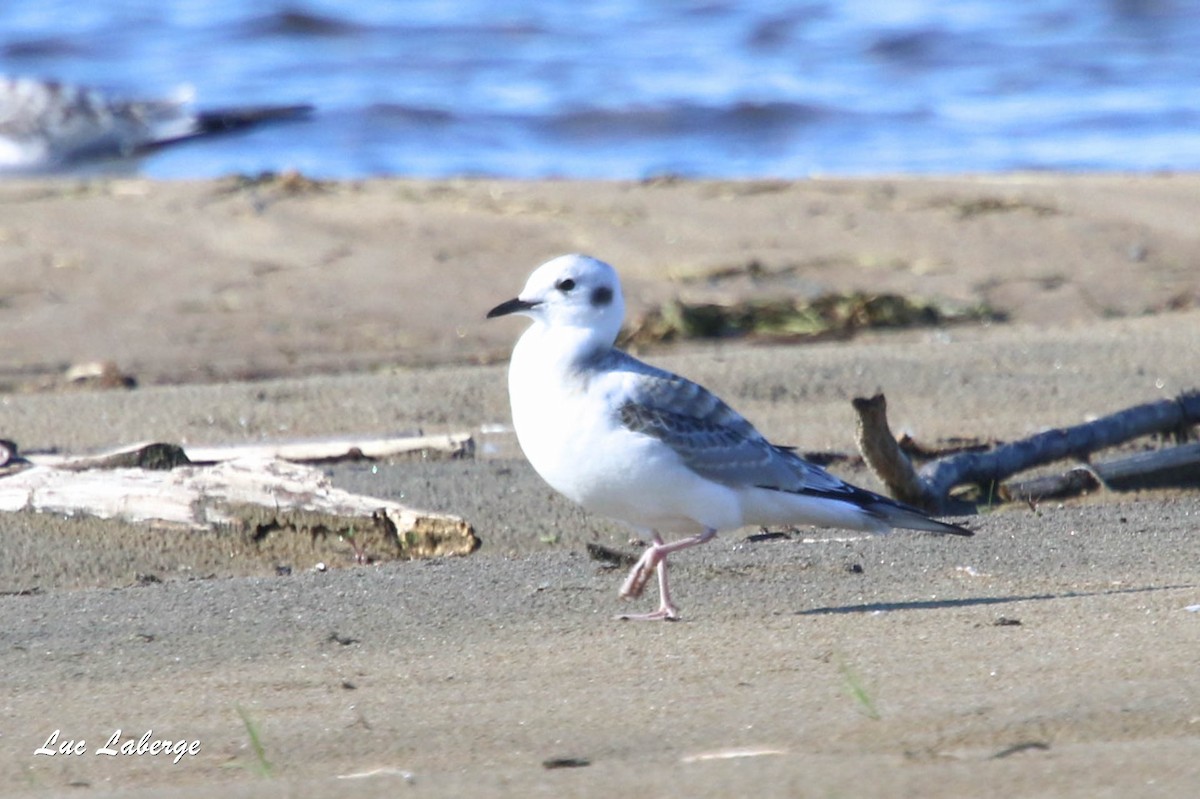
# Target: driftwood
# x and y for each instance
(256, 499)
(1169, 466)
(451, 445)
(930, 487)
(884, 456)
(320, 450)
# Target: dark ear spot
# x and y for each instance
(601, 296)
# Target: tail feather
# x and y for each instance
(887, 511)
(909, 518)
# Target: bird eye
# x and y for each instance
(565, 285)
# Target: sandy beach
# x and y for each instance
(1051, 655)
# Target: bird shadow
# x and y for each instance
(936, 604)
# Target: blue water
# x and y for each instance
(628, 89)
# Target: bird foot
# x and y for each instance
(664, 613)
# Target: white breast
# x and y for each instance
(569, 429)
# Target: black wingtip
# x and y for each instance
(912, 518)
(954, 529)
(227, 120)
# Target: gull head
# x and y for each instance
(571, 291)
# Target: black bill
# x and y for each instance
(512, 306)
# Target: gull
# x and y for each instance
(48, 127)
(650, 448)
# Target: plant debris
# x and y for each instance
(833, 315)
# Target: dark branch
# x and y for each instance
(930, 487)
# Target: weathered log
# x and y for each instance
(929, 488)
(254, 496)
(1174, 466)
(1072, 483)
(1079, 441)
(449, 446)
(323, 450)
(883, 455)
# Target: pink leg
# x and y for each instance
(654, 560)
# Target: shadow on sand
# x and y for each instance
(935, 604)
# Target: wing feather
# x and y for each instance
(710, 437)
(718, 443)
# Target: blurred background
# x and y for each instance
(644, 88)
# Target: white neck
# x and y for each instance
(561, 348)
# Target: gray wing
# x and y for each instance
(713, 439)
(718, 443)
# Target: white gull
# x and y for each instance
(650, 448)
